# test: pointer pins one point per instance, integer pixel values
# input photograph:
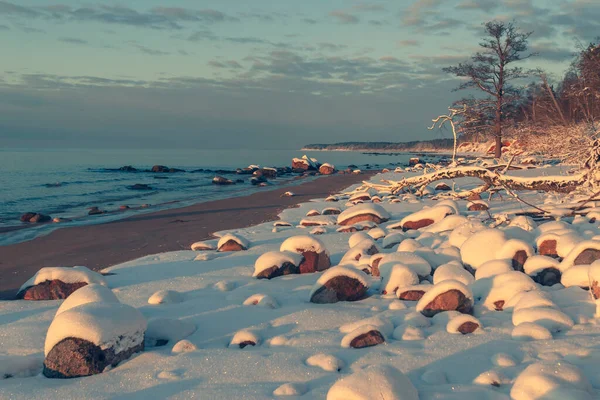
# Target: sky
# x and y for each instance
(258, 74)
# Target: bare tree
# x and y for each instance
(489, 70)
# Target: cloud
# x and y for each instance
(408, 43)
(73, 40)
(4, 28)
(549, 51)
(310, 21)
(147, 50)
(417, 13)
(479, 5)
(369, 7)
(225, 64)
(331, 46)
(344, 17)
(156, 18)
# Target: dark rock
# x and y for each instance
(452, 300)
(74, 357)
(326, 169)
(422, 223)
(313, 261)
(352, 166)
(468, 327)
(339, 288)
(27, 216)
(548, 248)
(95, 211)
(231, 245)
(162, 168)
(411, 295)
(442, 187)
(49, 290)
(257, 180)
(518, 260)
(548, 277)
(245, 171)
(35, 218)
(139, 186)
(587, 256)
(371, 338)
(128, 168)
(363, 217)
(219, 180)
(478, 207)
(287, 268)
(270, 173)
(246, 343)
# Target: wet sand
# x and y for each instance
(100, 246)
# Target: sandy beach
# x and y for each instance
(103, 245)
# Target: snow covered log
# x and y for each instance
(87, 339)
(560, 184)
(55, 283)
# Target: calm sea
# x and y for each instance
(65, 183)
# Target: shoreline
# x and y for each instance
(102, 245)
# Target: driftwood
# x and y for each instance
(490, 179)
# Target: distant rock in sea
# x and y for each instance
(139, 186)
(162, 168)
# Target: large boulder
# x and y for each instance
(55, 283)
(87, 339)
(326, 169)
(340, 284)
(316, 256)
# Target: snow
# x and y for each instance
(327, 362)
(449, 223)
(512, 246)
(441, 288)
(551, 381)
(236, 238)
(577, 275)
(244, 336)
(392, 239)
(321, 220)
(374, 382)
(222, 298)
(276, 259)
(108, 325)
(169, 329)
(302, 243)
(377, 233)
(361, 209)
(93, 293)
(199, 246)
(66, 275)
(493, 268)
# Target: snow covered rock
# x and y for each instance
(331, 211)
(377, 233)
(295, 388)
(261, 300)
(363, 336)
(392, 239)
(244, 338)
(316, 256)
(549, 381)
(93, 293)
(493, 268)
(340, 284)
(166, 297)
(550, 318)
(383, 325)
(447, 224)
(326, 362)
(326, 169)
(463, 324)
(357, 237)
(374, 382)
(277, 263)
(594, 277)
(448, 295)
(460, 234)
(543, 270)
(231, 242)
(425, 217)
(363, 212)
(477, 205)
(482, 246)
(87, 339)
(442, 187)
(531, 331)
(203, 246)
(518, 251)
(453, 271)
(577, 275)
(585, 252)
(557, 244)
(364, 249)
(397, 276)
(318, 220)
(313, 213)
(408, 333)
(184, 346)
(319, 230)
(495, 291)
(411, 260)
(161, 331)
(55, 283)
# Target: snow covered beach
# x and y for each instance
(216, 331)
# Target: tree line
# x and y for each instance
(554, 117)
